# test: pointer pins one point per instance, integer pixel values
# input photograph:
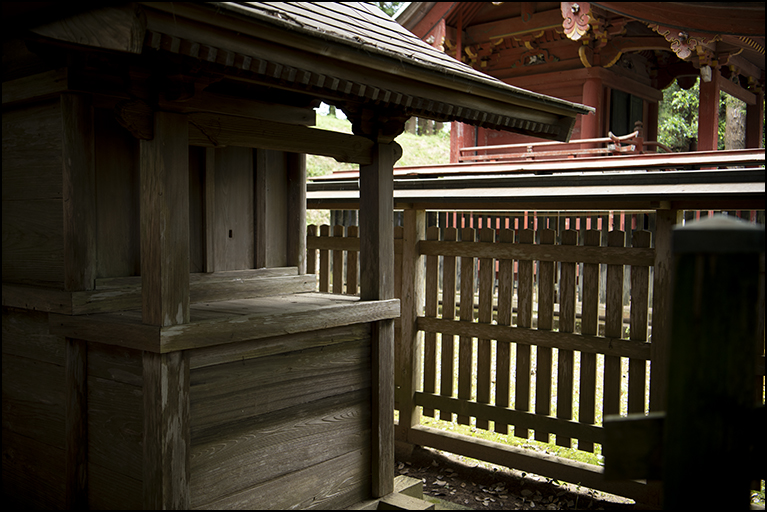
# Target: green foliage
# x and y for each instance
(388, 7)
(678, 117)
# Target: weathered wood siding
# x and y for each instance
(115, 427)
(33, 410)
(33, 244)
(282, 430)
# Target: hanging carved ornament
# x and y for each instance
(576, 19)
(682, 43)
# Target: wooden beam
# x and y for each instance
(166, 435)
(164, 201)
(214, 130)
(120, 28)
(79, 175)
(38, 87)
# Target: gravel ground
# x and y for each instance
(459, 483)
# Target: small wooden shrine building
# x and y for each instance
(614, 56)
(163, 346)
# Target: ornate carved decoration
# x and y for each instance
(576, 19)
(683, 43)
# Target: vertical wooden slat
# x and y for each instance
(411, 303)
(524, 319)
(503, 349)
(76, 418)
(430, 338)
(465, 351)
(448, 313)
(338, 262)
(486, 285)
(613, 326)
(166, 433)
(376, 276)
(640, 300)
(324, 261)
(566, 324)
(311, 254)
(589, 326)
(545, 322)
(164, 170)
(352, 263)
(399, 234)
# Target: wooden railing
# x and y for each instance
(632, 143)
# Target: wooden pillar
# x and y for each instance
(711, 420)
(79, 192)
(296, 243)
(79, 203)
(409, 353)
(164, 170)
(376, 283)
(755, 122)
(708, 112)
(592, 96)
(166, 441)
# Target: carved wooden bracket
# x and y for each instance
(377, 126)
(137, 117)
(576, 19)
(683, 43)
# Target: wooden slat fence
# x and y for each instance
(527, 331)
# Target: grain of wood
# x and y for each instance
(524, 321)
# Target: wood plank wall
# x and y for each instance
(282, 430)
(33, 410)
(33, 241)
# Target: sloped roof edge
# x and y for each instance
(409, 49)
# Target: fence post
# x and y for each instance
(409, 352)
(710, 422)
(661, 306)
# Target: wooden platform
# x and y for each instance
(217, 323)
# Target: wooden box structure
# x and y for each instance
(163, 346)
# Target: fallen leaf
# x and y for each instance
(526, 492)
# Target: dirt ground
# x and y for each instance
(480, 486)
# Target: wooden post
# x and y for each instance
(79, 200)
(164, 170)
(79, 192)
(376, 283)
(166, 431)
(709, 421)
(665, 220)
(592, 96)
(412, 301)
(296, 243)
(755, 122)
(708, 113)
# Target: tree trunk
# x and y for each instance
(735, 130)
